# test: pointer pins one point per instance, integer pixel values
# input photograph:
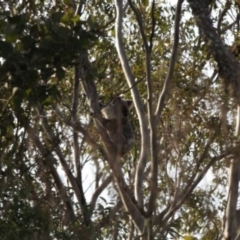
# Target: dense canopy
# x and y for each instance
(61, 174)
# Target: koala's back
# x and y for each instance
(116, 118)
(128, 134)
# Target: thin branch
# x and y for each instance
(50, 160)
(237, 128)
(72, 180)
(153, 26)
(224, 29)
(196, 171)
(106, 219)
(98, 191)
(76, 144)
(131, 231)
(196, 181)
(75, 134)
(78, 127)
(198, 164)
(222, 15)
(167, 83)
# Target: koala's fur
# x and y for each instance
(117, 123)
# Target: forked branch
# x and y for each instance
(151, 121)
(168, 80)
(136, 99)
(110, 151)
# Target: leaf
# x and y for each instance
(47, 101)
(5, 49)
(56, 17)
(188, 237)
(14, 90)
(60, 73)
(16, 19)
(66, 18)
(145, 3)
(91, 22)
(11, 37)
(75, 19)
(46, 44)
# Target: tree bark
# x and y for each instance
(229, 71)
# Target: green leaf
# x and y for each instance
(91, 22)
(75, 19)
(16, 19)
(145, 3)
(60, 73)
(5, 49)
(66, 18)
(57, 16)
(11, 37)
(46, 44)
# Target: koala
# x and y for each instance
(117, 123)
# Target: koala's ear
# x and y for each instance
(115, 100)
(129, 104)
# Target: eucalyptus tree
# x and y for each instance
(62, 176)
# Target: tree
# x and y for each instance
(178, 64)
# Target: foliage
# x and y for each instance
(57, 181)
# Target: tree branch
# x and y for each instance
(78, 127)
(98, 191)
(52, 138)
(153, 26)
(151, 120)
(137, 102)
(222, 15)
(230, 224)
(48, 155)
(106, 219)
(229, 70)
(196, 170)
(167, 83)
(197, 180)
(76, 147)
(111, 152)
(229, 67)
